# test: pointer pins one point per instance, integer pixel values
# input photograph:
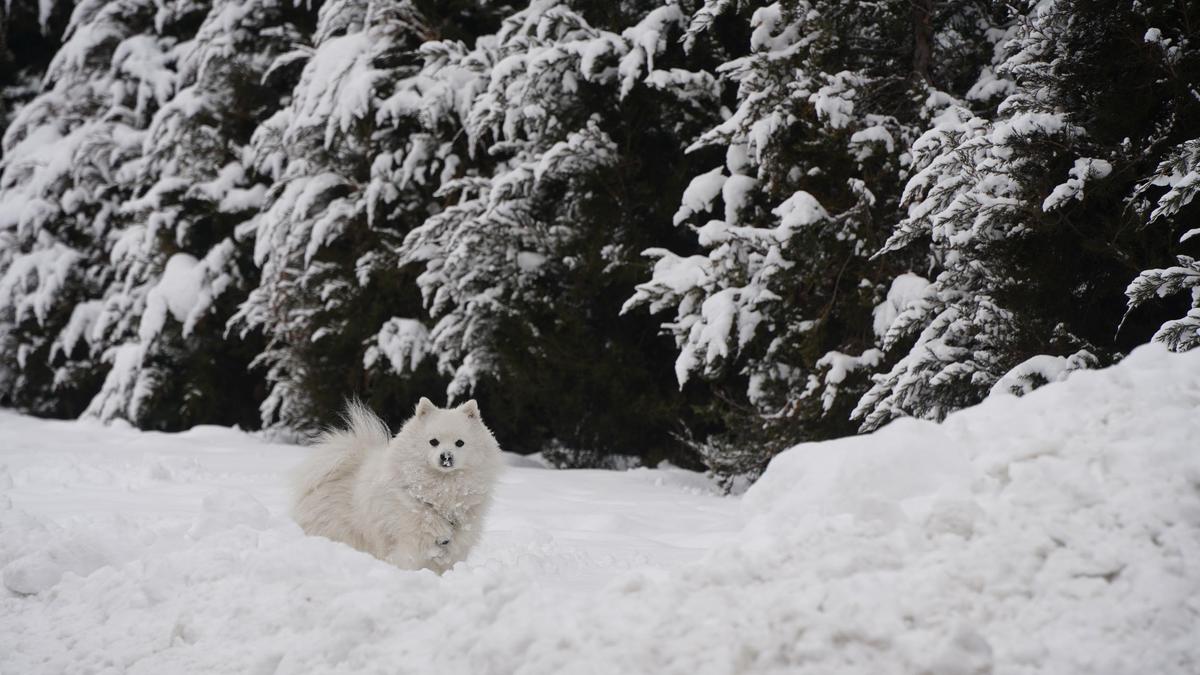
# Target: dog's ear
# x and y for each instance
(424, 407)
(470, 408)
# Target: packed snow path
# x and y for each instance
(1058, 533)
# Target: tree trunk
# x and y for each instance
(922, 18)
(5, 64)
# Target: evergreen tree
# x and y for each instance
(1034, 219)
(23, 57)
(30, 33)
(178, 259)
(830, 98)
(63, 179)
(1179, 173)
(331, 204)
(835, 213)
(571, 132)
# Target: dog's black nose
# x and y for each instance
(446, 459)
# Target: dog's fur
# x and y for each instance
(394, 497)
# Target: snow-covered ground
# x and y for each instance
(1056, 533)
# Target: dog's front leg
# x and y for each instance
(441, 539)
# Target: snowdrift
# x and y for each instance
(1054, 533)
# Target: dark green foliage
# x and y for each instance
(830, 97)
(1037, 244)
(827, 213)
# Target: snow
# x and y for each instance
(834, 102)
(403, 342)
(45, 9)
(1051, 533)
(33, 280)
(342, 66)
(737, 192)
(177, 292)
(1085, 169)
(126, 386)
(530, 261)
(1040, 369)
(875, 134)
(144, 60)
(700, 194)
(646, 40)
(770, 32)
(83, 318)
(1180, 172)
(1025, 124)
(837, 366)
(989, 86)
(186, 290)
(906, 290)
(800, 210)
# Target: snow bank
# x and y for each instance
(1054, 533)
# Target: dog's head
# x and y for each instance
(453, 439)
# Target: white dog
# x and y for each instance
(416, 500)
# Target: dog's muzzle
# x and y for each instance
(446, 460)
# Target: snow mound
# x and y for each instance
(1054, 533)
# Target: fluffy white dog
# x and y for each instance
(416, 500)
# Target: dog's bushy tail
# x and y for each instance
(339, 451)
(363, 430)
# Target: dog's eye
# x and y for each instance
(458, 443)
(433, 442)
